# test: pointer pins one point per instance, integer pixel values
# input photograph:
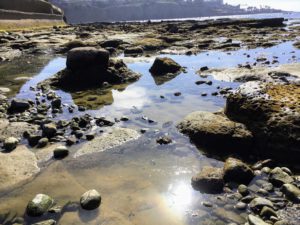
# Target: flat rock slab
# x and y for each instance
(17, 166)
(15, 129)
(112, 139)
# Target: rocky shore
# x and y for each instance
(260, 118)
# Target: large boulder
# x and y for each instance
(238, 172)
(209, 180)
(271, 112)
(89, 67)
(215, 130)
(163, 66)
(85, 58)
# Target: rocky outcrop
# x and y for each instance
(29, 9)
(262, 117)
(88, 67)
(163, 66)
(271, 112)
(215, 130)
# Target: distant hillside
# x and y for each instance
(29, 9)
(84, 11)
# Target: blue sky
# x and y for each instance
(290, 5)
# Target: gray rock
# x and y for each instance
(278, 177)
(10, 143)
(291, 192)
(237, 171)
(267, 212)
(254, 220)
(209, 180)
(60, 152)
(46, 222)
(241, 206)
(258, 203)
(90, 200)
(243, 190)
(112, 138)
(39, 205)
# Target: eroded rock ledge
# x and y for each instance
(261, 117)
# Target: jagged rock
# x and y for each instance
(237, 171)
(271, 112)
(209, 180)
(90, 200)
(215, 130)
(163, 66)
(39, 205)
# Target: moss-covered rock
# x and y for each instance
(39, 205)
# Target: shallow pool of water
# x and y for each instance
(140, 182)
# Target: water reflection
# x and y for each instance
(179, 196)
(134, 96)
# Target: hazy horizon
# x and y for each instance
(288, 5)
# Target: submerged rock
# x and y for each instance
(113, 138)
(209, 180)
(89, 67)
(215, 130)
(39, 205)
(237, 171)
(17, 166)
(90, 200)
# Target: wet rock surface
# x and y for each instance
(215, 130)
(89, 67)
(268, 109)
